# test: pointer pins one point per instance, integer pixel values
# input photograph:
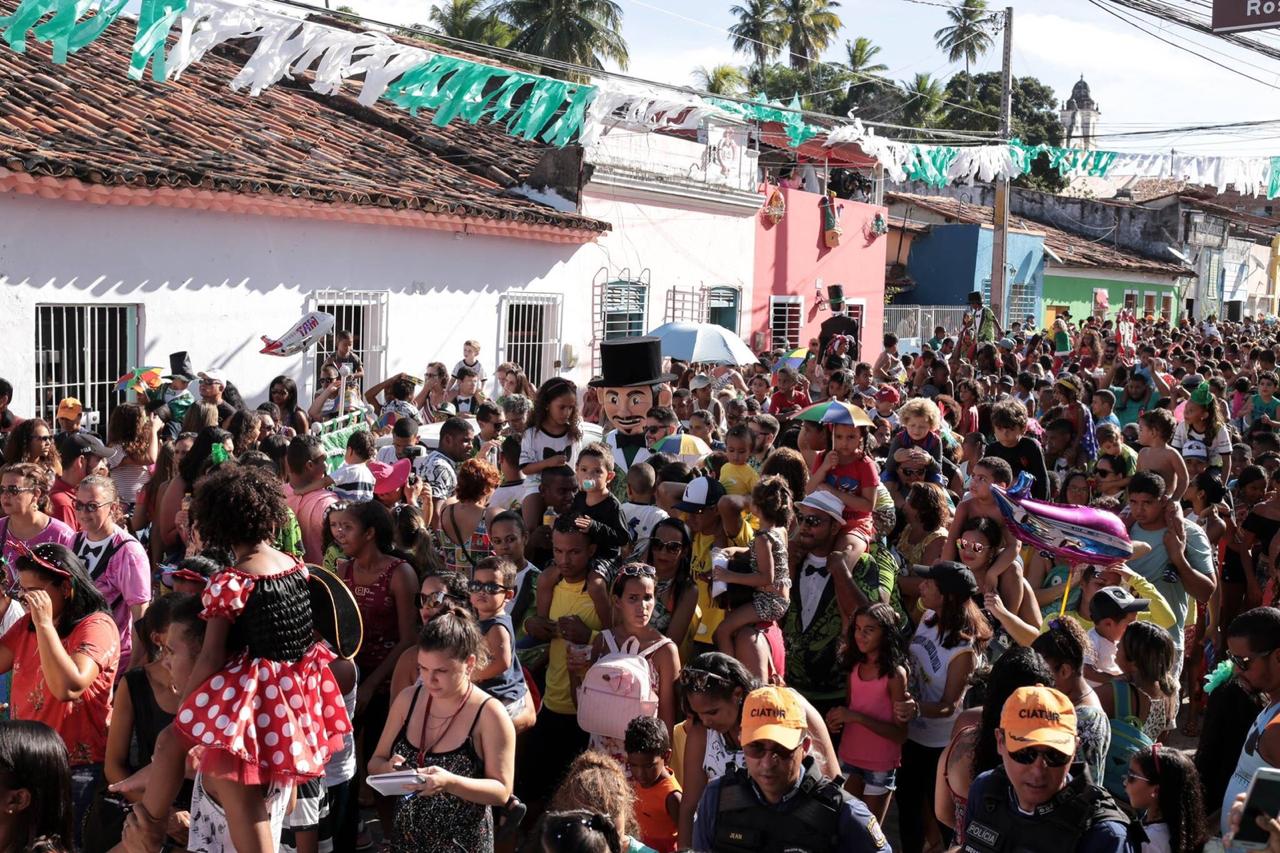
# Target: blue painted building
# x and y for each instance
(949, 257)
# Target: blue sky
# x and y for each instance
(1138, 82)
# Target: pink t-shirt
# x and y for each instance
(124, 579)
(310, 509)
(859, 745)
(55, 531)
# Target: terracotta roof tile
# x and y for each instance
(1074, 250)
(88, 120)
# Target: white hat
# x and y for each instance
(700, 381)
(214, 375)
(824, 501)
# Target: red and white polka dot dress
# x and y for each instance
(259, 720)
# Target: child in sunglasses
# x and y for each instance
(1164, 786)
(491, 584)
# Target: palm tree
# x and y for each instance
(969, 35)
(759, 32)
(466, 19)
(923, 104)
(861, 58)
(722, 79)
(810, 26)
(583, 32)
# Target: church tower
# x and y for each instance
(1079, 116)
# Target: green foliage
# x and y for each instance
(968, 36)
(583, 32)
(1035, 117)
(810, 27)
(722, 79)
(922, 106)
(759, 32)
(471, 20)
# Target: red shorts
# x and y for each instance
(862, 528)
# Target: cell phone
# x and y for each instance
(1263, 799)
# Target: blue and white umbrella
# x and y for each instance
(703, 342)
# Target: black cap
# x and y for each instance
(702, 492)
(1115, 602)
(82, 444)
(950, 576)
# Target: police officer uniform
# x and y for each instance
(1071, 821)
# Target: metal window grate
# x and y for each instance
(81, 352)
(364, 314)
(626, 306)
(529, 332)
(723, 305)
(686, 306)
(785, 321)
(1021, 301)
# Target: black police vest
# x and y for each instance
(811, 824)
(1055, 827)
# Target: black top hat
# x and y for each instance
(334, 612)
(180, 367)
(630, 361)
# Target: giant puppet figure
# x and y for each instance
(629, 385)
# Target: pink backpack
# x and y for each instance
(617, 689)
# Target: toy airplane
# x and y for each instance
(303, 334)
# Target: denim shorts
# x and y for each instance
(875, 782)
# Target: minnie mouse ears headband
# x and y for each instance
(41, 556)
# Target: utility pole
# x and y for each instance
(1000, 215)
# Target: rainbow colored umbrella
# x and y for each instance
(140, 379)
(846, 414)
(818, 411)
(688, 449)
(793, 359)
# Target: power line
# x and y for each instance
(1174, 44)
(726, 32)
(513, 56)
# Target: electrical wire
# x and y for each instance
(1184, 48)
(520, 58)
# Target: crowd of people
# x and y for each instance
(764, 607)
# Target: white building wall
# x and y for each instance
(213, 283)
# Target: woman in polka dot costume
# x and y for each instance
(263, 711)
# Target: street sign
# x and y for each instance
(1232, 16)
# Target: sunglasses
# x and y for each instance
(668, 547)
(810, 520)
(488, 587)
(433, 599)
(651, 430)
(91, 506)
(759, 749)
(16, 490)
(1242, 662)
(1052, 757)
(45, 439)
(700, 681)
(913, 472)
(1134, 777)
(637, 570)
(975, 547)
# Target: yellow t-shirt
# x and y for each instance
(567, 599)
(738, 479)
(712, 615)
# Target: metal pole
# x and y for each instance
(1000, 215)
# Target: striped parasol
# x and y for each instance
(846, 414)
(793, 359)
(140, 379)
(688, 449)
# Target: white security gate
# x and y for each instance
(529, 327)
(786, 318)
(686, 306)
(81, 352)
(363, 313)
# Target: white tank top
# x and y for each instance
(929, 664)
(1249, 762)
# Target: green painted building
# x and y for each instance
(1080, 289)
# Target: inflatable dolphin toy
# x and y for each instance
(1077, 534)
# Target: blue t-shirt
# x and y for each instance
(1156, 568)
(1108, 836)
(858, 831)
